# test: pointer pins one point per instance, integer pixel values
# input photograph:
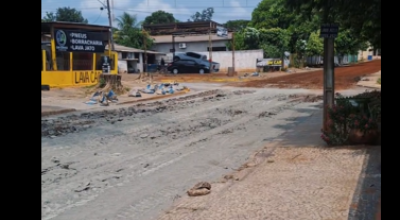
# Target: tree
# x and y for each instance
(129, 34)
(363, 17)
(348, 44)
(205, 15)
(271, 14)
(159, 17)
(236, 25)
(50, 16)
(65, 14)
(274, 41)
(315, 45)
(239, 42)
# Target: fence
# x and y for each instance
(244, 59)
(342, 60)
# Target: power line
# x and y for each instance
(101, 12)
(220, 3)
(150, 12)
(198, 7)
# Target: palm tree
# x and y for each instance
(127, 22)
(128, 31)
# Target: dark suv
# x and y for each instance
(187, 66)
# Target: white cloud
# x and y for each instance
(155, 5)
(238, 10)
(142, 9)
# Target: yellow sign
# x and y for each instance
(275, 62)
(84, 77)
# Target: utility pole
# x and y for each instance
(210, 47)
(233, 53)
(329, 32)
(145, 50)
(173, 47)
(110, 23)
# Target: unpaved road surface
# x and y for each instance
(134, 162)
(345, 78)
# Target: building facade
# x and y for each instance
(190, 43)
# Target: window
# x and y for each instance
(217, 49)
(195, 55)
(62, 59)
(82, 61)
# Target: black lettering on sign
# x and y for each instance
(87, 80)
(76, 77)
(81, 77)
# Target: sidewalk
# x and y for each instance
(295, 178)
(371, 81)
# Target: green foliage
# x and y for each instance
(50, 16)
(379, 81)
(205, 15)
(102, 83)
(236, 25)
(129, 34)
(299, 22)
(348, 43)
(315, 45)
(66, 14)
(271, 14)
(273, 41)
(363, 17)
(159, 17)
(239, 42)
(360, 113)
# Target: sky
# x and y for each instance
(181, 9)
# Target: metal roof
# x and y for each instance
(189, 38)
(120, 48)
(46, 26)
(171, 28)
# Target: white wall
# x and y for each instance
(123, 66)
(244, 59)
(190, 46)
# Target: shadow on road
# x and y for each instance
(368, 192)
(365, 199)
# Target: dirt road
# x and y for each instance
(345, 77)
(134, 162)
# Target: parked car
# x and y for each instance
(199, 59)
(188, 66)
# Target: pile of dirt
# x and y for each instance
(345, 77)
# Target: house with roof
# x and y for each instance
(132, 60)
(190, 43)
(188, 37)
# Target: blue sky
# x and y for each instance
(182, 9)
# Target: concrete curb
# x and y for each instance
(57, 112)
(364, 204)
(369, 87)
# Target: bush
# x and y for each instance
(353, 120)
(379, 81)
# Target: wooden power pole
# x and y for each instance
(233, 53)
